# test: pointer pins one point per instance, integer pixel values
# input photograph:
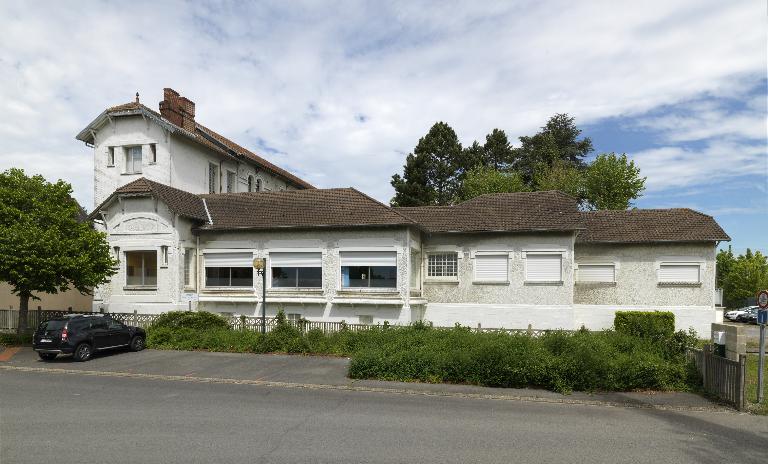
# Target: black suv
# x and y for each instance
(81, 335)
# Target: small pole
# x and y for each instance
(761, 365)
(264, 299)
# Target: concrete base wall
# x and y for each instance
(596, 317)
(509, 316)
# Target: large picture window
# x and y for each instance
(442, 265)
(369, 269)
(296, 270)
(228, 269)
(141, 268)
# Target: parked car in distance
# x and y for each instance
(749, 314)
(733, 315)
(82, 335)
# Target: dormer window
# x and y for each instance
(133, 160)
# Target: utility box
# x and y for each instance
(718, 343)
(734, 341)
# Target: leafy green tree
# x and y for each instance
(484, 179)
(725, 260)
(558, 139)
(612, 182)
(45, 246)
(563, 176)
(747, 275)
(433, 172)
(497, 151)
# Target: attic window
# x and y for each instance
(212, 174)
(153, 153)
(111, 156)
(230, 182)
(133, 160)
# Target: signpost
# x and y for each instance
(189, 298)
(260, 264)
(762, 315)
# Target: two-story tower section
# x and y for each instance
(168, 146)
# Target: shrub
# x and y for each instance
(657, 325)
(9, 339)
(198, 320)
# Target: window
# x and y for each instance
(296, 270)
(189, 267)
(213, 173)
(258, 185)
(374, 269)
(679, 272)
(153, 153)
(231, 178)
(250, 183)
(228, 269)
(442, 265)
(117, 254)
(111, 156)
(164, 256)
(133, 160)
(365, 319)
(543, 267)
(141, 268)
(293, 317)
(596, 273)
(491, 267)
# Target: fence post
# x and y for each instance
(741, 402)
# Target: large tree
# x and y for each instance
(433, 172)
(561, 175)
(612, 182)
(484, 179)
(747, 275)
(558, 139)
(45, 246)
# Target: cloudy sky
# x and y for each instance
(340, 92)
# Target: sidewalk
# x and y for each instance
(322, 372)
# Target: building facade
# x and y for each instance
(505, 260)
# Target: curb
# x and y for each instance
(397, 391)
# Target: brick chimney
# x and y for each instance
(178, 110)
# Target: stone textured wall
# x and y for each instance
(636, 275)
(517, 291)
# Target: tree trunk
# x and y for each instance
(23, 312)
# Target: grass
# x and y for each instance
(761, 408)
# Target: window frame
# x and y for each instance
(341, 267)
(527, 253)
(110, 157)
(189, 268)
(153, 153)
(428, 266)
(231, 180)
(213, 177)
(499, 253)
(662, 264)
(143, 283)
(579, 266)
(229, 253)
(130, 162)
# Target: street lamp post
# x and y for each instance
(260, 264)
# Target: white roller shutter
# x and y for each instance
(684, 272)
(368, 258)
(298, 259)
(491, 268)
(238, 259)
(597, 273)
(543, 267)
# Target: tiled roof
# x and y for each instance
(339, 207)
(650, 225)
(221, 144)
(180, 202)
(507, 212)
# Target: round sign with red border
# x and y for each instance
(762, 299)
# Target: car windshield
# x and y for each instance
(53, 325)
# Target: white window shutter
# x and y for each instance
(368, 258)
(239, 259)
(297, 259)
(596, 273)
(491, 268)
(679, 273)
(543, 267)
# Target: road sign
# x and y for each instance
(762, 316)
(762, 299)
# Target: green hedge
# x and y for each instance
(198, 320)
(656, 325)
(560, 361)
(9, 339)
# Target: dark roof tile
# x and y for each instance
(650, 225)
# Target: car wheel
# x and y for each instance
(137, 343)
(47, 356)
(83, 352)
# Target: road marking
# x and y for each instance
(8, 353)
(398, 391)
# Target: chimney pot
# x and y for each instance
(178, 110)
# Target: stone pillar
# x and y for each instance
(735, 340)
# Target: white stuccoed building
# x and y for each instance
(187, 210)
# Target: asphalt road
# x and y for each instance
(75, 417)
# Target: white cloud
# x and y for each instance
(298, 75)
